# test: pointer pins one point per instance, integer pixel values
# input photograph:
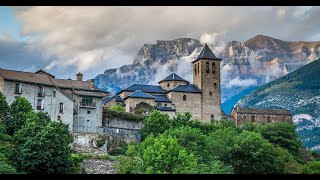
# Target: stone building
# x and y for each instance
(74, 102)
(241, 115)
(176, 95)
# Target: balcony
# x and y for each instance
(88, 104)
(41, 94)
(39, 108)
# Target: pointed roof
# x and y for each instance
(173, 77)
(140, 94)
(206, 53)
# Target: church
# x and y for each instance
(176, 95)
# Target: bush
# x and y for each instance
(6, 168)
(156, 124)
(117, 107)
(101, 140)
(123, 115)
(312, 167)
(76, 168)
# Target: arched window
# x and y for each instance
(184, 97)
(198, 68)
(207, 67)
(213, 68)
(168, 85)
(195, 69)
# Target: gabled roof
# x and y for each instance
(46, 79)
(206, 53)
(162, 98)
(140, 94)
(173, 77)
(185, 88)
(145, 88)
(165, 109)
(107, 99)
(262, 111)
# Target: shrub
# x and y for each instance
(101, 140)
(124, 115)
(117, 107)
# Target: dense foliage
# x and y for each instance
(117, 107)
(181, 145)
(31, 143)
(123, 115)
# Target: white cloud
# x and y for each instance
(92, 38)
(237, 82)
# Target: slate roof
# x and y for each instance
(165, 109)
(90, 93)
(185, 88)
(173, 77)
(206, 53)
(107, 99)
(162, 98)
(145, 88)
(263, 111)
(140, 94)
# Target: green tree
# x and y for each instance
(19, 110)
(286, 164)
(252, 154)
(43, 146)
(117, 107)
(312, 167)
(4, 108)
(193, 140)
(156, 124)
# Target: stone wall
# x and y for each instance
(131, 103)
(87, 143)
(192, 103)
(171, 84)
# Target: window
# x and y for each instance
(88, 102)
(168, 85)
(195, 69)
(173, 106)
(40, 104)
(268, 119)
(40, 91)
(213, 68)
(88, 112)
(212, 117)
(59, 118)
(244, 117)
(184, 97)
(198, 69)
(165, 105)
(210, 93)
(159, 104)
(252, 118)
(61, 108)
(215, 85)
(207, 67)
(54, 93)
(18, 89)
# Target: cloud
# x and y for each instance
(91, 39)
(237, 82)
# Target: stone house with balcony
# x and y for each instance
(77, 103)
(176, 95)
(255, 115)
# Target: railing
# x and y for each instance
(41, 94)
(88, 104)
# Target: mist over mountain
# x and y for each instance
(248, 64)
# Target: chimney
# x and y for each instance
(92, 83)
(79, 76)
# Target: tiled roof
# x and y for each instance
(206, 53)
(46, 79)
(140, 94)
(107, 99)
(145, 88)
(90, 93)
(165, 109)
(162, 98)
(173, 77)
(263, 111)
(186, 88)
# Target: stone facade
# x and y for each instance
(131, 103)
(167, 85)
(206, 76)
(241, 115)
(192, 103)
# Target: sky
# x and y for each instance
(67, 40)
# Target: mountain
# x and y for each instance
(299, 92)
(254, 62)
